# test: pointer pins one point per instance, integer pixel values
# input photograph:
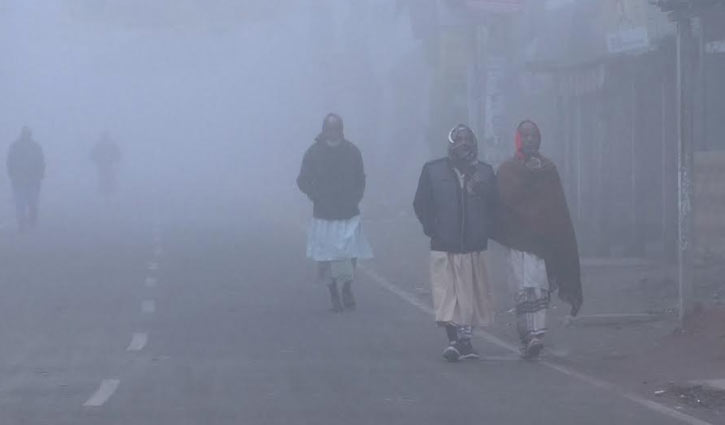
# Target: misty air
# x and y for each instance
(362, 212)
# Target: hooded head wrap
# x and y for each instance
(332, 128)
(462, 145)
(519, 139)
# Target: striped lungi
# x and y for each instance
(530, 284)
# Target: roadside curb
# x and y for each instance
(713, 384)
(615, 319)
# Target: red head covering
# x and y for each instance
(519, 145)
(519, 140)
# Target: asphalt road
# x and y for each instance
(111, 322)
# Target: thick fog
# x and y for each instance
(211, 103)
(185, 267)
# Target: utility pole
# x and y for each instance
(685, 121)
(690, 88)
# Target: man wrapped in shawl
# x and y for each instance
(333, 178)
(534, 223)
(455, 202)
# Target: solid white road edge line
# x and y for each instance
(596, 382)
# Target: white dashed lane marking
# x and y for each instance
(138, 341)
(148, 306)
(151, 282)
(104, 393)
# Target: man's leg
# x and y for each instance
(452, 333)
(343, 272)
(33, 198)
(20, 207)
(465, 346)
(106, 178)
(335, 297)
(529, 283)
(531, 307)
(101, 180)
(452, 353)
(326, 277)
(460, 346)
(348, 298)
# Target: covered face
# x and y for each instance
(462, 144)
(528, 139)
(332, 128)
(26, 133)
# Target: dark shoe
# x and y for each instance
(335, 298)
(467, 351)
(532, 350)
(348, 299)
(451, 353)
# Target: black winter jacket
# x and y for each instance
(333, 178)
(26, 163)
(457, 220)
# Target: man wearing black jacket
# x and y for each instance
(455, 202)
(333, 178)
(26, 169)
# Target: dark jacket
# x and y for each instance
(26, 163)
(334, 180)
(457, 220)
(105, 154)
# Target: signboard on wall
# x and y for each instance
(627, 40)
(625, 23)
(496, 6)
(715, 46)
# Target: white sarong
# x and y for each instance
(337, 240)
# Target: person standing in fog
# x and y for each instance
(456, 203)
(535, 225)
(106, 155)
(26, 168)
(333, 178)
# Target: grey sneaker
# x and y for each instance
(532, 350)
(467, 351)
(452, 354)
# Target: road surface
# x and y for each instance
(115, 321)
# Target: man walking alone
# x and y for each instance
(26, 169)
(333, 178)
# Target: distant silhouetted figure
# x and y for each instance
(26, 168)
(106, 155)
